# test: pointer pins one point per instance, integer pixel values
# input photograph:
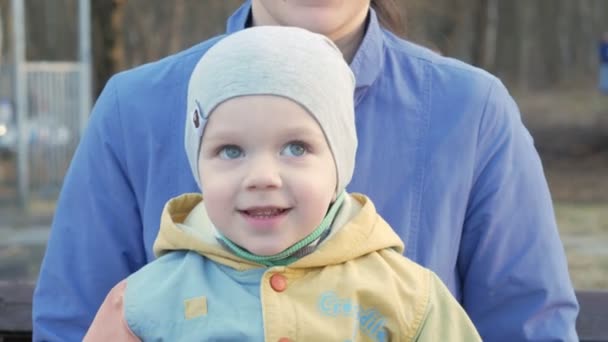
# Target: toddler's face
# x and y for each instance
(267, 173)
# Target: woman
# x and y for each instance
(442, 152)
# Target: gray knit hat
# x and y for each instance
(294, 63)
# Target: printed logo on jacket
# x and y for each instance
(369, 320)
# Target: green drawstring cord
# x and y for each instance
(286, 257)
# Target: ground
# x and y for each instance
(570, 130)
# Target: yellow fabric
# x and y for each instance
(443, 320)
(359, 280)
(195, 307)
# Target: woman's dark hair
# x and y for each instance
(389, 15)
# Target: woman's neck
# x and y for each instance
(349, 43)
(347, 38)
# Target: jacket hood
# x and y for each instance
(186, 226)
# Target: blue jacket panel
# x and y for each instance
(158, 309)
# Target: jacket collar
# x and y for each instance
(186, 226)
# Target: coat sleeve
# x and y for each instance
(445, 319)
(515, 281)
(109, 323)
(94, 241)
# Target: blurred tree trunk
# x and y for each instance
(565, 43)
(108, 43)
(586, 13)
(526, 11)
(176, 41)
(49, 36)
(1, 35)
(486, 34)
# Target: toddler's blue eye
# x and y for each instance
(294, 149)
(230, 152)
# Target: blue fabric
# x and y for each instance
(603, 84)
(603, 73)
(455, 173)
(603, 50)
(155, 311)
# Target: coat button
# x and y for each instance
(278, 282)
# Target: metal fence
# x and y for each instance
(52, 126)
(42, 118)
(52, 123)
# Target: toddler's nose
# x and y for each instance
(263, 173)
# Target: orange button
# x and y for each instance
(284, 339)
(278, 282)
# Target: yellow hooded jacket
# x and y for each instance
(356, 286)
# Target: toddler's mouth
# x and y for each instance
(264, 212)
